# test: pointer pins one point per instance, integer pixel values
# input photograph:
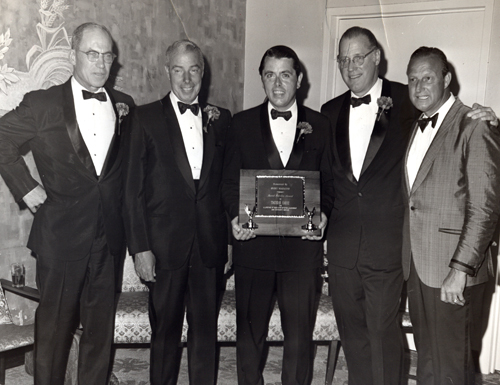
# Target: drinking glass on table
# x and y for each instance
(18, 274)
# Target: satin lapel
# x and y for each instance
(436, 145)
(342, 139)
(115, 142)
(178, 149)
(208, 148)
(379, 130)
(273, 155)
(299, 144)
(405, 169)
(73, 131)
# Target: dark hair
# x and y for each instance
(423, 52)
(354, 32)
(184, 46)
(280, 52)
(78, 33)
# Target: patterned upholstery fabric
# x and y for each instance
(5, 317)
(14, 336)
(132, 321)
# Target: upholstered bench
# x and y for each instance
(13, 336)
(132, 321)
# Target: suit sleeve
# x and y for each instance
(326, 168)
(17, 128)
(482, 179)
(134, 171)
(231, 172)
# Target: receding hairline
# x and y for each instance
(82, 28)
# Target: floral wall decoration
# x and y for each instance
(35, 41)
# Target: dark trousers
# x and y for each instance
(366, 303)
(72, 292)
(442, 334)
(196, 289)
(297, 294)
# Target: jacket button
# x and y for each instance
(360, 194)
(412, 208)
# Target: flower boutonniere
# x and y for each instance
(304, 129)
(384, 103)
(213, 113)
(123, 110)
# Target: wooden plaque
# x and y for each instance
(278, 201)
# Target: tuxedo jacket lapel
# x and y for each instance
(379, 130)
(435, 146)
(73, 131)
(115, 143)
(298, 144)
(342, 139)
(208, 147)
(178, 149)
(273, 155)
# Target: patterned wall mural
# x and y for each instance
(35, 39)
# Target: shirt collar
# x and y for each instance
(293, 108)
(375, 91)
(174, 99)
(443, 110)
(78, 88)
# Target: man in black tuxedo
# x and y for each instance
(267, 137)
(371, 124)
(175, 222)
(74, 132)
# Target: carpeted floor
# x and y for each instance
(131, 367)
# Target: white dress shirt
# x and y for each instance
(422, 141)
(361, 122)
(283, 131)
(96, 121)
(192, 135)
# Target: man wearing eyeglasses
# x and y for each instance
(73, 131)
(371, 125)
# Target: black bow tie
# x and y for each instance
(423, 122)
(183, 107)
(356, 102)
(275, 114)
(101, 96)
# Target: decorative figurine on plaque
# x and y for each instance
(250, 225)
(310, 226)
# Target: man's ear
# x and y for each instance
(447, 80)
(299, 80)
(167, 71)
(72, 57)
(377, 56)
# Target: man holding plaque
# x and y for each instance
(175, 221)
(371, 124)
(277, 135)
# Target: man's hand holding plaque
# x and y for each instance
(239, 232)
(321, 226)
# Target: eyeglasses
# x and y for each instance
(93, 56)
(357, 60)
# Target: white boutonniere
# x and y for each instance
(384, 103)
(212, 114)
(123, 110)
(304, 129)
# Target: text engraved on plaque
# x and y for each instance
(279, 196)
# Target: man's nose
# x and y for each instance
(186, 77)
(100, 61)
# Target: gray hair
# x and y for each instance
(181, 46)
(78, 33)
